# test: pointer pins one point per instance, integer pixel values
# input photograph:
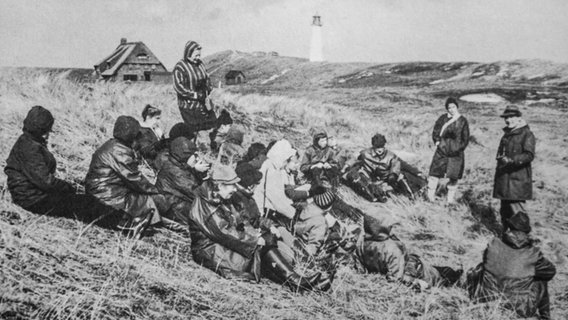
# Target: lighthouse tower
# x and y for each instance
(316, 45)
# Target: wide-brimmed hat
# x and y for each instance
(511, 111)
(224, 174)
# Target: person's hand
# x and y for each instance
(275, 232)
(261, 242)
(318, 165)
(504, 160)
(400, 177)
(437, 143)
(326, 166)
(202, 166)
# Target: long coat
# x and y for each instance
(514, 269)
(114, 179)
(449, 158)
(514, 181)
(216, 243)
(191, 78)
(30, 166)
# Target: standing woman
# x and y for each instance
(451, 136)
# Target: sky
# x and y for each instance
(79, 33)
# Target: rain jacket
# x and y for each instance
(148, 144)
(113, 175)
(30, 166)
(216, 242)
(514, 269)
(453, 138)
(191, 78)
(514, 181)
(378, 167)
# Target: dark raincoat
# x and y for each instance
(30, 167)
(216, 241)
(514, 269)
(113, 175)
(148, 144)
(449, 158)
(514, 181)
(315, 154)
(191, 78)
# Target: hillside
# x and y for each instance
(61, 269)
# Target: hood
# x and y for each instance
(181, 129)
(190, 46)
(318, 136)
(280, 152)
(38, 122)
(182, 149)
(516, 239)
(235, 136)
(126, 129)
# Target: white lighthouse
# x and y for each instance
(316, 45)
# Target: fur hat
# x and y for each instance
(520, 222)
(39, 121)
(378, 141)
(224, 174)
(248, 174)
(324, 200)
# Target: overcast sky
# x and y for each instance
(73, 33)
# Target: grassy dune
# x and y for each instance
(53, 268)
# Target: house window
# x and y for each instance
(130, 77)
(147, 75)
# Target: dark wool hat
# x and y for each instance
(324, 200)
(181, 129)
(126, 129)
(39, 121)
(511, 111)
(520, 222)
(224, 174)
(224, 118)
(451, 100)
(378, 141)
(248, 174)
(181, 148)
(254, 151)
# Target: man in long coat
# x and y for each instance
(192, 85)
(513, 176)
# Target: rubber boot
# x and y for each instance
(449, 275)
(432, 185)
(276, 268)
(452, 194)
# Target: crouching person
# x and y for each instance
(219, 245)
(30, 169)
(114, 179)
(382, 252)
(514, 269)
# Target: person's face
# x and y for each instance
(195, 55)
(332, 142)
(452, 109)
(226, 191)
(293, 164)
(380, 151)
(512, 122)
(45, 136)
(154, 121)
(322, 143)
(224, 128)
(192, 161)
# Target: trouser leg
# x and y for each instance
(432, 185)
(544, 303)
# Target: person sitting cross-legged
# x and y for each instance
(318, 164)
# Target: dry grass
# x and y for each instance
(60, 269)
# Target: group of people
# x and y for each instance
(258, 212)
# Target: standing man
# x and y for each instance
(513, 176)
(192, 84)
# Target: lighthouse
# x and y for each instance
(316, 45)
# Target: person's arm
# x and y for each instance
(276, 195)
(306, 164)
(124, 164)
(464, 137)
(184, 83)
(437, 129)
(544, 269)
(528, 151)
(36, 170)
(395, 165)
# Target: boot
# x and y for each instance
(276, 268)
(449, 275)
(452, 194)
(432, 185)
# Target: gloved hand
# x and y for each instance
(504, 160)
(392, 178)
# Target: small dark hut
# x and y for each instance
(235, 77)
(132, 61)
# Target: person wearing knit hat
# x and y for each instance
(376, 173)
(220, 242)
(318, 163)
(231, 150)
(515, 270)
(513, 175)
(192, 85)
(312, 225)
(451, 137)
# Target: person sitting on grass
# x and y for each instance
(514, 269)
(114, 178)
(231, 150)
(219, 133)
(318, 163)
(180, 175)
(179, 129)
(151, 138)
(382, 252)
(33, 184)
(218, 243)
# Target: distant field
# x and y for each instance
(60, 269)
